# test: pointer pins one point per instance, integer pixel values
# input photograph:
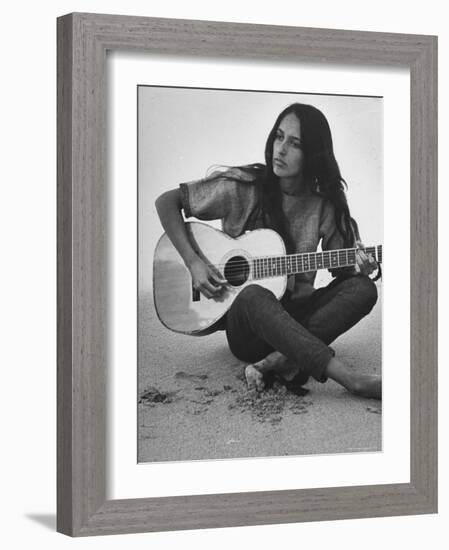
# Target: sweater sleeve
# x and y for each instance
(228, 196)
(332, 239)
(207, 199)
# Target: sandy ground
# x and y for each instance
(193, 401)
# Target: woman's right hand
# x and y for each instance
(206, 279)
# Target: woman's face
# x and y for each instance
(288, 156)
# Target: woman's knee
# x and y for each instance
(365, 291)
(254, 294)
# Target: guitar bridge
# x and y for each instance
(195, 295)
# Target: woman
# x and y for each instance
(299, 192)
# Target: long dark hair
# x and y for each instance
(321, 173)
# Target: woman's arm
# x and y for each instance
(169, 207)
(333, 240)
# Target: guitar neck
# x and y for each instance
(291, 264)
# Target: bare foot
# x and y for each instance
(367, 386)
(279, 364)
(254, 378)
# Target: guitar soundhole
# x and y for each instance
(236, 271)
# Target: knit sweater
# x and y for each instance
(233, 198)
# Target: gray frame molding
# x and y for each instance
(83, 40)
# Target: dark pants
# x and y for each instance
(257, 323)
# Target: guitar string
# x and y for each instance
(274, 272)
(340, 251)
(272, 263)
(261, 273)
(248, 276)
(282, 269)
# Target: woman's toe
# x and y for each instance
(254, 378)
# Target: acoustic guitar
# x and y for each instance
(257, 257)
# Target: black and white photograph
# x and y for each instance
(260, 226)
(221, 301)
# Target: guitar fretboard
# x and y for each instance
(291, 264)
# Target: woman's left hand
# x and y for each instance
(366, 264)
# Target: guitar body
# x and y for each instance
(182, 309)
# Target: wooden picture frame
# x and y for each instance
(83, 40)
